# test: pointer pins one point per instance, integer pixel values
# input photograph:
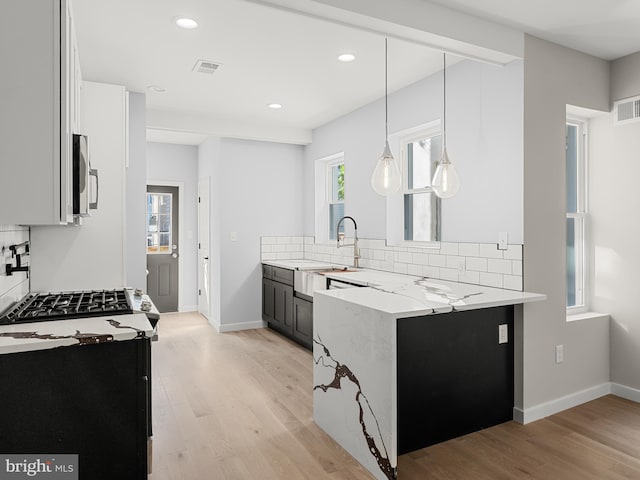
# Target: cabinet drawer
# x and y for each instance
(267, 271)
(283, 275)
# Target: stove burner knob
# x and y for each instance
(145, 306)
(138, 292)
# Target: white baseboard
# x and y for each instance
(543, 410)
(235, 327)
(188, 308)
(623, 391)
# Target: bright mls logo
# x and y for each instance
(50, 467)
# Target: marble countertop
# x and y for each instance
(25, 337)
(406, 295)
(301, 264)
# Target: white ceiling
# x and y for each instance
(608, 29)
(273, 55)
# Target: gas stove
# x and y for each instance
(41, 307)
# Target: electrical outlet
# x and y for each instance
(503, 241)
(503, 333)
(233, 236)
(461, 266)
(559, 353)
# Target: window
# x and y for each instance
(576, 213)
(159, 210)
(421, 207)
(335, 196)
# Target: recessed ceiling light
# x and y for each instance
(188, 23)
(346, 57)
(275, 106)
(156, 89)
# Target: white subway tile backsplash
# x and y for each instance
(497, 265)
(450, 274)
(421, 259)
(447, 248)
(400, 268)
(512, 282)
(516, 267)
(490, 250)
(404, 257)
(469, 277)
(469, 250)
(491, 279)
(413, 269)
(455, 262)
(475, 263)
(513, 252)
(437, 260)
(431, 272)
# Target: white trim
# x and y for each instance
(187, 308)
(236, 327)
(552, 407)
(180, 185)
(321, 205)
(623, 391)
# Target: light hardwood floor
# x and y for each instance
(239, 406)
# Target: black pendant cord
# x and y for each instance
(444, 101)
(386, 106)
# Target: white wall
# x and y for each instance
(484, 137)
(179, 163)
(136, 178)
(208, 158)
(613, 201)
(90, 256)
(555, 76)
(256, 190)
(12, 287)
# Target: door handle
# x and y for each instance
(206, 258)
(174, 255)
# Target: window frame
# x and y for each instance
(330, 165)
(322, 169)
(169, 250)
(581, 216)
(427, 132)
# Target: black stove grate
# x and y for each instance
(40, 307)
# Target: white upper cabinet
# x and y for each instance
(40, 98)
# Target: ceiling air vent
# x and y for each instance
(627, 110)
(206, 66)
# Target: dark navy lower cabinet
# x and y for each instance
(453, 376)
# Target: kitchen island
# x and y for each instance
(405, 362)
(79, 386)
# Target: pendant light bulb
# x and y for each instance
(385, 178)
(446, 182)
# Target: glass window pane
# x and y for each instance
(336, 212)
(572, 168)
(159, 207)
(422, 158)
(337, 183)
(420, 217)
(571, 262)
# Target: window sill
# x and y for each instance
(576, 317)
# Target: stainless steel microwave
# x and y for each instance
(84, 189)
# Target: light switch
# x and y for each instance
(233, 236)
(503, 333)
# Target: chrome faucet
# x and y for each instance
(340, 235)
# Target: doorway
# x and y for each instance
(204, 276)
(163, 246)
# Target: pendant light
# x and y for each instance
(385, 179)
(446, 182)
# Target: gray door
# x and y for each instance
(162, 247)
